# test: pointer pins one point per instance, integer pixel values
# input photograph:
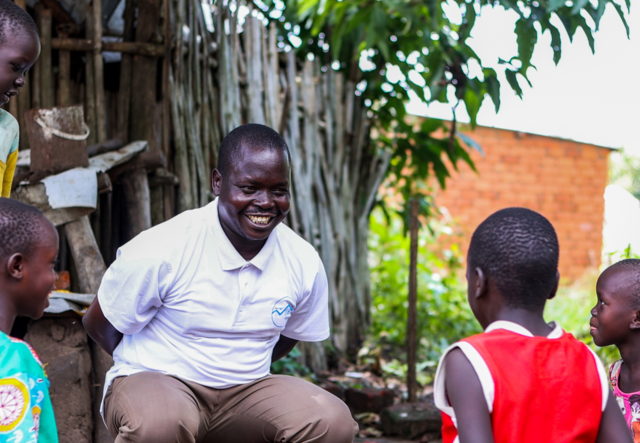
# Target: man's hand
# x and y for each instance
(282, 348)
(100, 329)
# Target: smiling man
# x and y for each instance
(195, 310)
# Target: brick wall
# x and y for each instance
(562, 179)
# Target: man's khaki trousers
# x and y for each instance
(150, 407)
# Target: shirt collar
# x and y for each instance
(518, 329)
(228, 255)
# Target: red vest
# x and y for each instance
(546, 390)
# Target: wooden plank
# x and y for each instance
(412, 311)
(108, 160)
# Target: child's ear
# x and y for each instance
(15, 266)
(635, 322)
(481, 283)
(555, 287)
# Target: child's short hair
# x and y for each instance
(631, 265)
(20, 226)
(13, 19)
(517, 248)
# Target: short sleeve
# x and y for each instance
(133, 287)
(310, 320)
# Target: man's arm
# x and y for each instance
(282, 348)
(465, 394)
(613, 427)
(100, 329)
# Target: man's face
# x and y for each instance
(614, 311)
(254, 194)
(38, 274)
(18, 53)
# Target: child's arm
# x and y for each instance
(612, 424)
(465, 395)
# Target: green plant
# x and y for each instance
(291, 365)
(443, 313)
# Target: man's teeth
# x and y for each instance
(259, 220)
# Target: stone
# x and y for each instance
(368, 399)
(411, 420)
(62, 345)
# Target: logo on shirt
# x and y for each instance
(281, 312)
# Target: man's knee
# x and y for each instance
(334, 421)
(151, 408)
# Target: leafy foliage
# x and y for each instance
(625, 171)
(424, 44)
(444, 315)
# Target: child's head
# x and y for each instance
(512, 262)
(28, 252)
(616, 315)
(19, 48)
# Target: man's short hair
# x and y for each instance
(631, 265)
(251, 135)
(518, 249)
(20, 227)
(14, 19)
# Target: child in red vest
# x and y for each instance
(615, 320)
(522, 380)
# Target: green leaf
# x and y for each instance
(556, 43)
(578, 5)
(469, 20)
(513, 82)
(621, 14)
(493, 86)
(472, 103)
(470, 142)
(555, 4)
(527, 36)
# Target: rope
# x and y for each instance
(65, 135)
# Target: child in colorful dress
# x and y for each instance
(19, 49)
(615, 320)
(28, 252)
(523, 380)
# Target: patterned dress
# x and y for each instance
(26, 414)
(629, 403)
(9, 138)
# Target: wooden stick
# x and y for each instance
(24, 100)
(46, 76)
(412, 313)
(98, 72)
(124, 95)
(64, 76)
(136, 48)
(90, 83)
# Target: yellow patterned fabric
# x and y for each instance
(9, 139)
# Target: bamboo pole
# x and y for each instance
(124, 94)
(412, 312)
(64, 77)
(98, 72)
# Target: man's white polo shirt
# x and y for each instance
(190, 306)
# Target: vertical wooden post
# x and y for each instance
(124, 95)
(90, 81)
(36, 71)
(98, 72)
(24, 100)
(137, 198)
(64, 76)
(45, 21)
(412, 313)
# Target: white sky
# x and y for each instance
(589, 98)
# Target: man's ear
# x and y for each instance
(15, 266)
(635, 322)
(216, 182)
(482, 284)
(555, 286)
